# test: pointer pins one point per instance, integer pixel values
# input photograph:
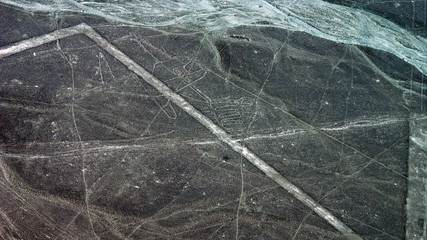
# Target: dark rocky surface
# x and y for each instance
(89, 150)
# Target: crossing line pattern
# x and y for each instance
(219, 132)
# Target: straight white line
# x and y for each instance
(40, 40)
(187, 107)
(364, 124)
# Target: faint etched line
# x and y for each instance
(83, 154)
(365, 124)
(187, 107)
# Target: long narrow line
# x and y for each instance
(221, 134)
(192, 111)
(40, 40)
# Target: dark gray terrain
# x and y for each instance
(118, 131)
